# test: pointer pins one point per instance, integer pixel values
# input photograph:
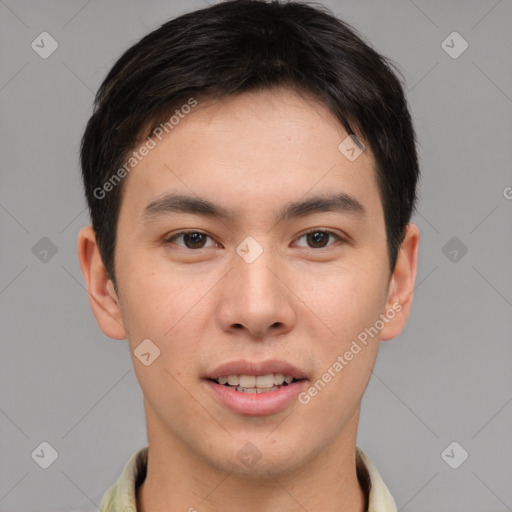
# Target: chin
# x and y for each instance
(261, 458)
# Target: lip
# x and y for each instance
(243, 367)
(256, 404)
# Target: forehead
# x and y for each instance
(253, 151)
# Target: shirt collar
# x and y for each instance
(121, 497)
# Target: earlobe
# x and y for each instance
(401, 286)
(102, 296)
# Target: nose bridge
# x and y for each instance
(254, 269)
(256, 298)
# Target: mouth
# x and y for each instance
(255, 389)
(256, 384)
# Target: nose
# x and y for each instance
(257, 297)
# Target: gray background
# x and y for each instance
(445, 378)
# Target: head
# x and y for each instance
(291, 249)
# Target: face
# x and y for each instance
(261, 291)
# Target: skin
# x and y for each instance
(300, 302)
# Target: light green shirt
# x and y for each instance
(121, 497)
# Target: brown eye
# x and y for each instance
(318, 239)
(191, 239)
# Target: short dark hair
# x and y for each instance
(239, 46)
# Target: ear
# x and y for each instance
(401, 285)
(102, 296)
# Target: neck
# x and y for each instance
(178, 480)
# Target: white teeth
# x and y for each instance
(256, 390)
(260, 382)
(246, 390)
(264, 381)
(247, 381)
(278, 379)
(233, 380)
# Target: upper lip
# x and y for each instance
(243, 367)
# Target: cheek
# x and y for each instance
(349, 301)
(161, 309)
(346, 354)
(170, 311)
(345, 357)
(153, 299)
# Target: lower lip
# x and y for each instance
(257, 404)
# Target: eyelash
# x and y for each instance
(316, 230)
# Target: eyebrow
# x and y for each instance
(180, 203)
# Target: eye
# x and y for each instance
(192, 239)
(315, 238)
(319, 237)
